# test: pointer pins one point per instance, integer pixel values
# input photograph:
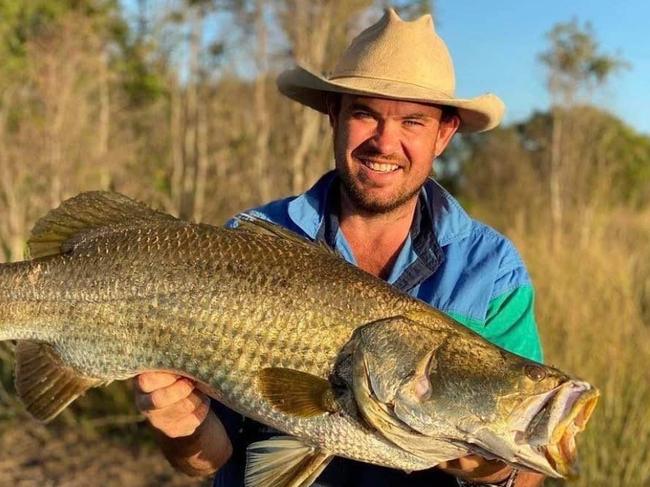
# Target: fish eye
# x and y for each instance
(535, 372)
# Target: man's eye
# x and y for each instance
(361, 114)
(413, 122)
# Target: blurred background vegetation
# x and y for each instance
(156, 105)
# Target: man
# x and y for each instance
(391, 105)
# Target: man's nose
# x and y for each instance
(386, 137)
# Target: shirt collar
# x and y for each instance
(308, 210)
(447, 220)
(450, 221)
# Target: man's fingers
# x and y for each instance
(466, 463)
(166, 396)
(202, 410)
(182, 418)
(171, 403)
(178, 410)
(195, 404)
(473, 467)
(150, 381)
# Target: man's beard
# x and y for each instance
(368, 204)
(362, 200)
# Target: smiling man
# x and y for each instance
(383, 151)
(392, 109)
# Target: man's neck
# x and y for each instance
(375, 238)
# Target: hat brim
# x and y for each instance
(476, 114)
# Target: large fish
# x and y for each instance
(283, 331)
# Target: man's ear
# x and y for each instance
(333, 102)
(446, 129)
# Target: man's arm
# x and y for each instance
(189, 433)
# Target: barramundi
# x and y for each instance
(282, 330)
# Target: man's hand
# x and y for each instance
(189, 433)
(474, 468)
(171, 403)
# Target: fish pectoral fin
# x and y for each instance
(283, 461)
(297, 393)
(44, 383)
(60, 229)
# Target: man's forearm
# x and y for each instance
(510, 478)
(506, 477)
(529, 479)
(474, 470)
(201, 453)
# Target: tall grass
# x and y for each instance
(592, 308)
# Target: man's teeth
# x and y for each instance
(380, 167)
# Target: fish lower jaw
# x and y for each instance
(561, 450)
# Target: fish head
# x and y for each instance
(426, 386)
(525, 413)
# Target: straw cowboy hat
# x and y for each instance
(398, 60)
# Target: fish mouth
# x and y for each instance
(561, 450)
(561, 416)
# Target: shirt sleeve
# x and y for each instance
(510, 323)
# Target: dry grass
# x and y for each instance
(99, 440)
(35, 455)
(592, 307)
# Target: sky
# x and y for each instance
(495, 49)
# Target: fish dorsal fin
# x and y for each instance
(283, 461)
(254, 224)
(84, 213)
(44, 384)
(297, 393)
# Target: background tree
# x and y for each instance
(575, 67)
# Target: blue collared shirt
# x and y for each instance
(458, 265)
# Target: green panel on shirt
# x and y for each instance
(510, 323)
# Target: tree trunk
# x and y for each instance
(202, 160)
(263, 131)
(309, 120)
(190, 145)
(13, 221)
(103, 129)
(555, 181)
(176, 136)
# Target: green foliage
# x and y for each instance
(633, 151)
(574, 62)
(513, 162)
(142, 79)
(22, 21)
(593, 292)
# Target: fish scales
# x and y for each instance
(142, 299)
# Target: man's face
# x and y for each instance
(384, 149)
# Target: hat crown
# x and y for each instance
(401, 51)
(397, 60)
